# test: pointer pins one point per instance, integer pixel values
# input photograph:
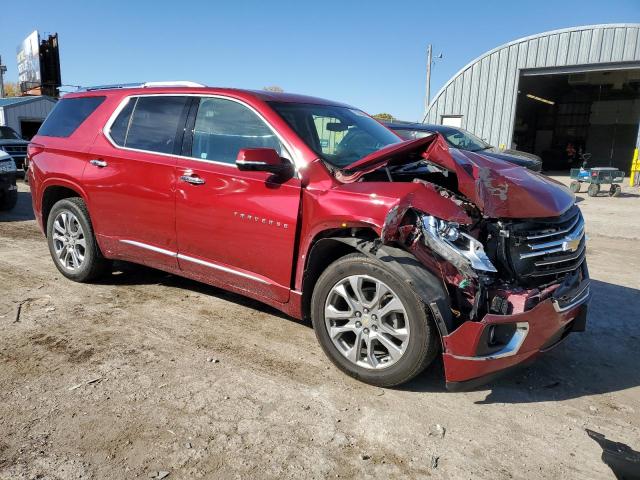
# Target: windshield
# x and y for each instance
(455, 137)
(7, 133)
(339, 135)
(464, 140)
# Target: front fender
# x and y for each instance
(427, 285)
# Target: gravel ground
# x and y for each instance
(145, 375)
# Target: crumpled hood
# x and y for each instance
(499, 189)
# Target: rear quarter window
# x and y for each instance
(68, 115)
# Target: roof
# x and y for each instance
(15, 101)
(265, 96)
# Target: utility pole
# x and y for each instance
(428, 93)
(427, 97)
(3, 70)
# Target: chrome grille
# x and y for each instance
(545, 249)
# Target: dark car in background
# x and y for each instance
(464, 140)
(16, 146)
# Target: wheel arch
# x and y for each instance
(427, 286)
(54, 192)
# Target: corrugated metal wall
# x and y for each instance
(34, 111)
(484, 91)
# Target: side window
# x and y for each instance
(68, 115)
(223, 127)
(331, 131)
(121, 124)
(153, 123)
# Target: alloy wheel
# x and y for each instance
(367, 322)
(69, 240)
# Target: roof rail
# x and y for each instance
(179, 83)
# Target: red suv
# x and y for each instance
(395, 250)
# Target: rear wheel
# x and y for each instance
(615, 190)
(370, 323)
(72, 243)
(594, 189)
(575, 186)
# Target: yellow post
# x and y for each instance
(635, 167)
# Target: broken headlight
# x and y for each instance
(450, 241)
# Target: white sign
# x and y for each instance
(29, 61)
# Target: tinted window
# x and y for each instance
(121, 124)
(155, 123)
(67, 116)
(223, 127)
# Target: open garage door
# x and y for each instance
(561, 115)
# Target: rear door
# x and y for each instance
(234, 228)
(130, 179)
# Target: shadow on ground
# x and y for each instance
(600, 360)
(125, 273)
(22, 212)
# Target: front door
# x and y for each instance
(130, 180)
(234, 228)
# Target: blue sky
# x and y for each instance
(367, 53)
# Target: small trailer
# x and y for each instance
(596, 177)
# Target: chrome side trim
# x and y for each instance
(221, 268)
(510, 349)
(150, 247)
(580, 298)
(195, 260)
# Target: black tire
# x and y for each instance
(94, 263)
(615, 190)
(8, 200)
(594, 189)
(422, 345)
(575, 187)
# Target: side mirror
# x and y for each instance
(261, 160)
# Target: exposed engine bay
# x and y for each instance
(499, 248)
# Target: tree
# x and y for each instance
(387, 117)
(274, 88)
(12, 89)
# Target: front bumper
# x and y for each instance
(536, 330)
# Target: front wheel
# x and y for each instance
(370, 323)
(594, 189)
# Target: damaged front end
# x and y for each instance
(515, 273)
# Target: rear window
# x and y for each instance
(68, 115)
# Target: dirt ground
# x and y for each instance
(146, 374)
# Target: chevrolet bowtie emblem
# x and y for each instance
(571, 245)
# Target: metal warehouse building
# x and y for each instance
(576, 88)
(25, 114)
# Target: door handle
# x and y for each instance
(192, 179)
(98, 163)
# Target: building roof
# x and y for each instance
(484, 92)
(15, 101)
